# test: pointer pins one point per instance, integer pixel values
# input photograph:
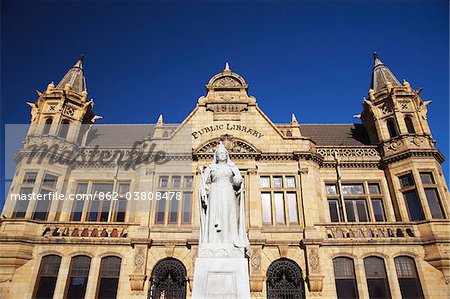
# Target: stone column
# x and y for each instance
(62, 277)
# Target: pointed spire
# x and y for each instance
(74, 78)
(79, 63)
(381, 75)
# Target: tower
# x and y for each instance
(395, 116)
(61, 110)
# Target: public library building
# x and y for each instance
(332, 210)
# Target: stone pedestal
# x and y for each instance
(221, 272)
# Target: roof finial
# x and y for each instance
(293, 119)
(375, 55)
(79, 62)
(227, 67)
(160, 121)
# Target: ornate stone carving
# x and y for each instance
(393, 146)
(314, 259)
(227, 81)
(386, 108)
(233, 145)
(70, 111)
(358, 231)
(68, 231)
(255, 260)
(348, 152)
(138, 260)
(417, 141)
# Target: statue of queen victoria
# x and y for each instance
(222, 209)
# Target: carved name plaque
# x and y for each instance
(226, 127)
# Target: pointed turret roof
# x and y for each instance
(75, 77)
(381, 74)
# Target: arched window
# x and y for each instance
(47, 125)
(407, 277)
(409, 125)
(345, 279)
(46, 280)
(168, 280)
(108, 280)
(391, 128)
(64, 128)
(284, 280)
(377, 282)
(78, 277)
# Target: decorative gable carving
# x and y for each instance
(227, 81)
(234, 146)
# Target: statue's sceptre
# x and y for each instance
(203, 204)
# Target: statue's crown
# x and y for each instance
(221, 146)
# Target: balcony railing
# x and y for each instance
(369, 230)
(85, 230)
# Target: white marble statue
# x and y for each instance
(222, 209)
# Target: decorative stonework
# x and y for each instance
(255, 260)
(348, 152)
(233, 145)
(315, 277)
(79, 230)
(227, 81)
(211, 251)
(377, 231)
(314, 259)
(70, 111)
(138, 277)
(386, 108)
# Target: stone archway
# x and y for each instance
(284, 280)
(168, 280)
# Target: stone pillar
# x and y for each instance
(257, 276)
(91, 287)
(315, 277)
(392, 278)
(62, 277)
(138, 277)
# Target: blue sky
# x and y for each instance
(146, 58)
